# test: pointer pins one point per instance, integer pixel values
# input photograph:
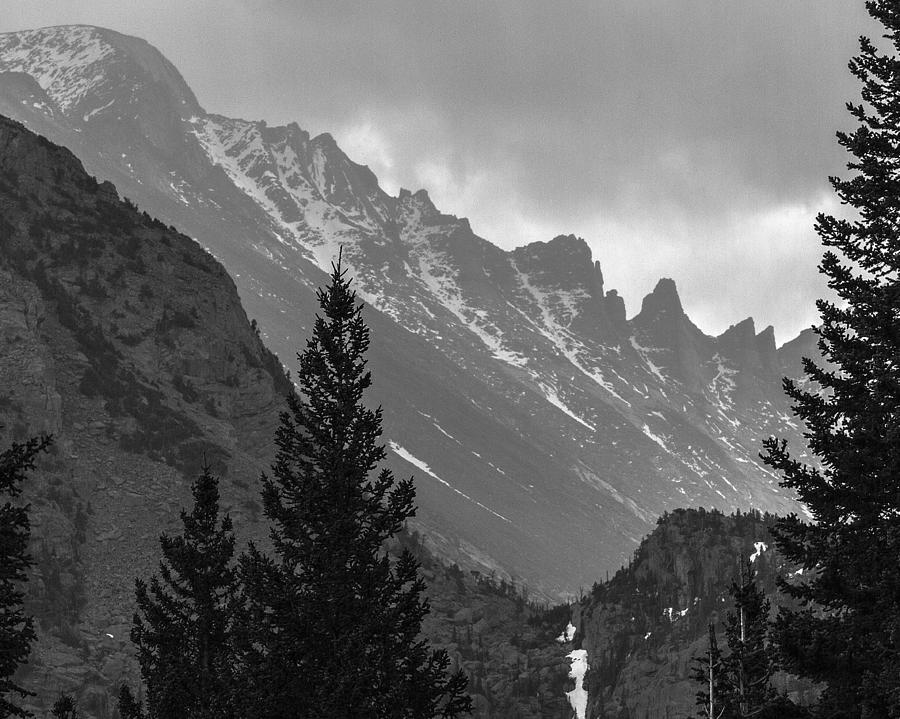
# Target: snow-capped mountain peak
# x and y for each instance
(85, 69)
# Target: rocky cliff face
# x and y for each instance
(128, 342)
(540, 422)
(643, 628)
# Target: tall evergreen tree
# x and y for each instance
(750, 662)
(336, 621)
(185, 625)
(847, 633)
(16, 628)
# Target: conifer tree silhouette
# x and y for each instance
(184, 629)
(64, 708)
(335, 620)
(709, 673)
(751, 661)
(846, 634)
(16, 627)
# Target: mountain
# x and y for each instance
(127, 342)
(546, 430)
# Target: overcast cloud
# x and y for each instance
(683, 138)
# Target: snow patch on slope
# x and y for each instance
(564, 341)
(655, 437)
(97, 110)
(722, 385)
(592, 479)
(62, 60)
(578, 697)
(644, 354)
(440, 281)
(405, 454)
(552, 396)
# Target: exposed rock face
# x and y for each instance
(22, 312)
(128, 342)
(791, 354)
(544, 415)
(643, 628)
(679, 345)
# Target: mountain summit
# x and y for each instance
(545, 429)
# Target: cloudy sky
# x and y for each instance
(683, 138)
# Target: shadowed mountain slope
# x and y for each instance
(128, 342)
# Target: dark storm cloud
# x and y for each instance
(687, 138)
(690, 103)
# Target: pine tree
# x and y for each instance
(335, 620)
(16, 628)
(847, 632)
(709, 673)
(128, 706)
(184, 629)
(750, 663)
(64, 708)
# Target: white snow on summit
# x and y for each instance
(63, 60)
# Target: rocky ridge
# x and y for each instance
(539, 420)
